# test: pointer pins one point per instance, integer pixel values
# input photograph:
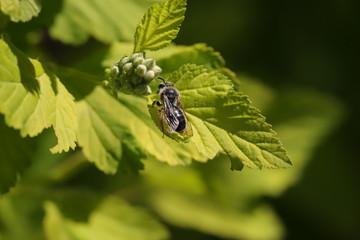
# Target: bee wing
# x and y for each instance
(170, 116)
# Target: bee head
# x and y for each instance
(168, 90)
(171, 93)
(165, 84)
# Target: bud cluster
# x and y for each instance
(134, 73)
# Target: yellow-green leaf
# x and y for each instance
(33, 99)
(105, 20)
(20, 10)
(105, 125)
(224, 121)
(160, 25)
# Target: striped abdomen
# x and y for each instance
(182, 121)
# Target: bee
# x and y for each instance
(172, 116)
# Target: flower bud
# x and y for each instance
(136, 55)
(157, 69)
(149, 75)
(127, 68)
(142, 90)
(122, 62)
(140, 70)
(149, 63)
(114, 72)
(138, 61)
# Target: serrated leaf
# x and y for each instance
(106, 20)
(224, 121)
(20, 10)
(125, 121)
(112, 219)
(160, 25)
(14, 158)
(33, 99)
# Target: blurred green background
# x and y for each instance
(299, 44)
(298, 62)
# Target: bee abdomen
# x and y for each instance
(182, 121)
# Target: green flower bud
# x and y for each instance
(106, 82)
(136, 55)
(138, 61)
(114, 72)
(140, 70)
(142, 90)
(149, 63)
(133, 74)
(127, 68)
(149, 75)
(122, 62)
(157, 70)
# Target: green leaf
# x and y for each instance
(202, 214)
(160, 25)
(15, 156)
(301, 125)
(224, 121)
(112, 219)
(106, 20)
(105, 124)
(20, 10)
(33, 99)
(174, 56)
(204, 204)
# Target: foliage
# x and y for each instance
(62, 107)
(20, 10)
(160, 25)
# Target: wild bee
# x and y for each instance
(172, 116)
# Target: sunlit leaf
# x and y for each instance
(160, 25)
(112, 219)
(224, 121)
(20, 10)
(100, 144)
(33, 99)
(106, 20)
(105, 123)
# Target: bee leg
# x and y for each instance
(180, 105)
(157, 103)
